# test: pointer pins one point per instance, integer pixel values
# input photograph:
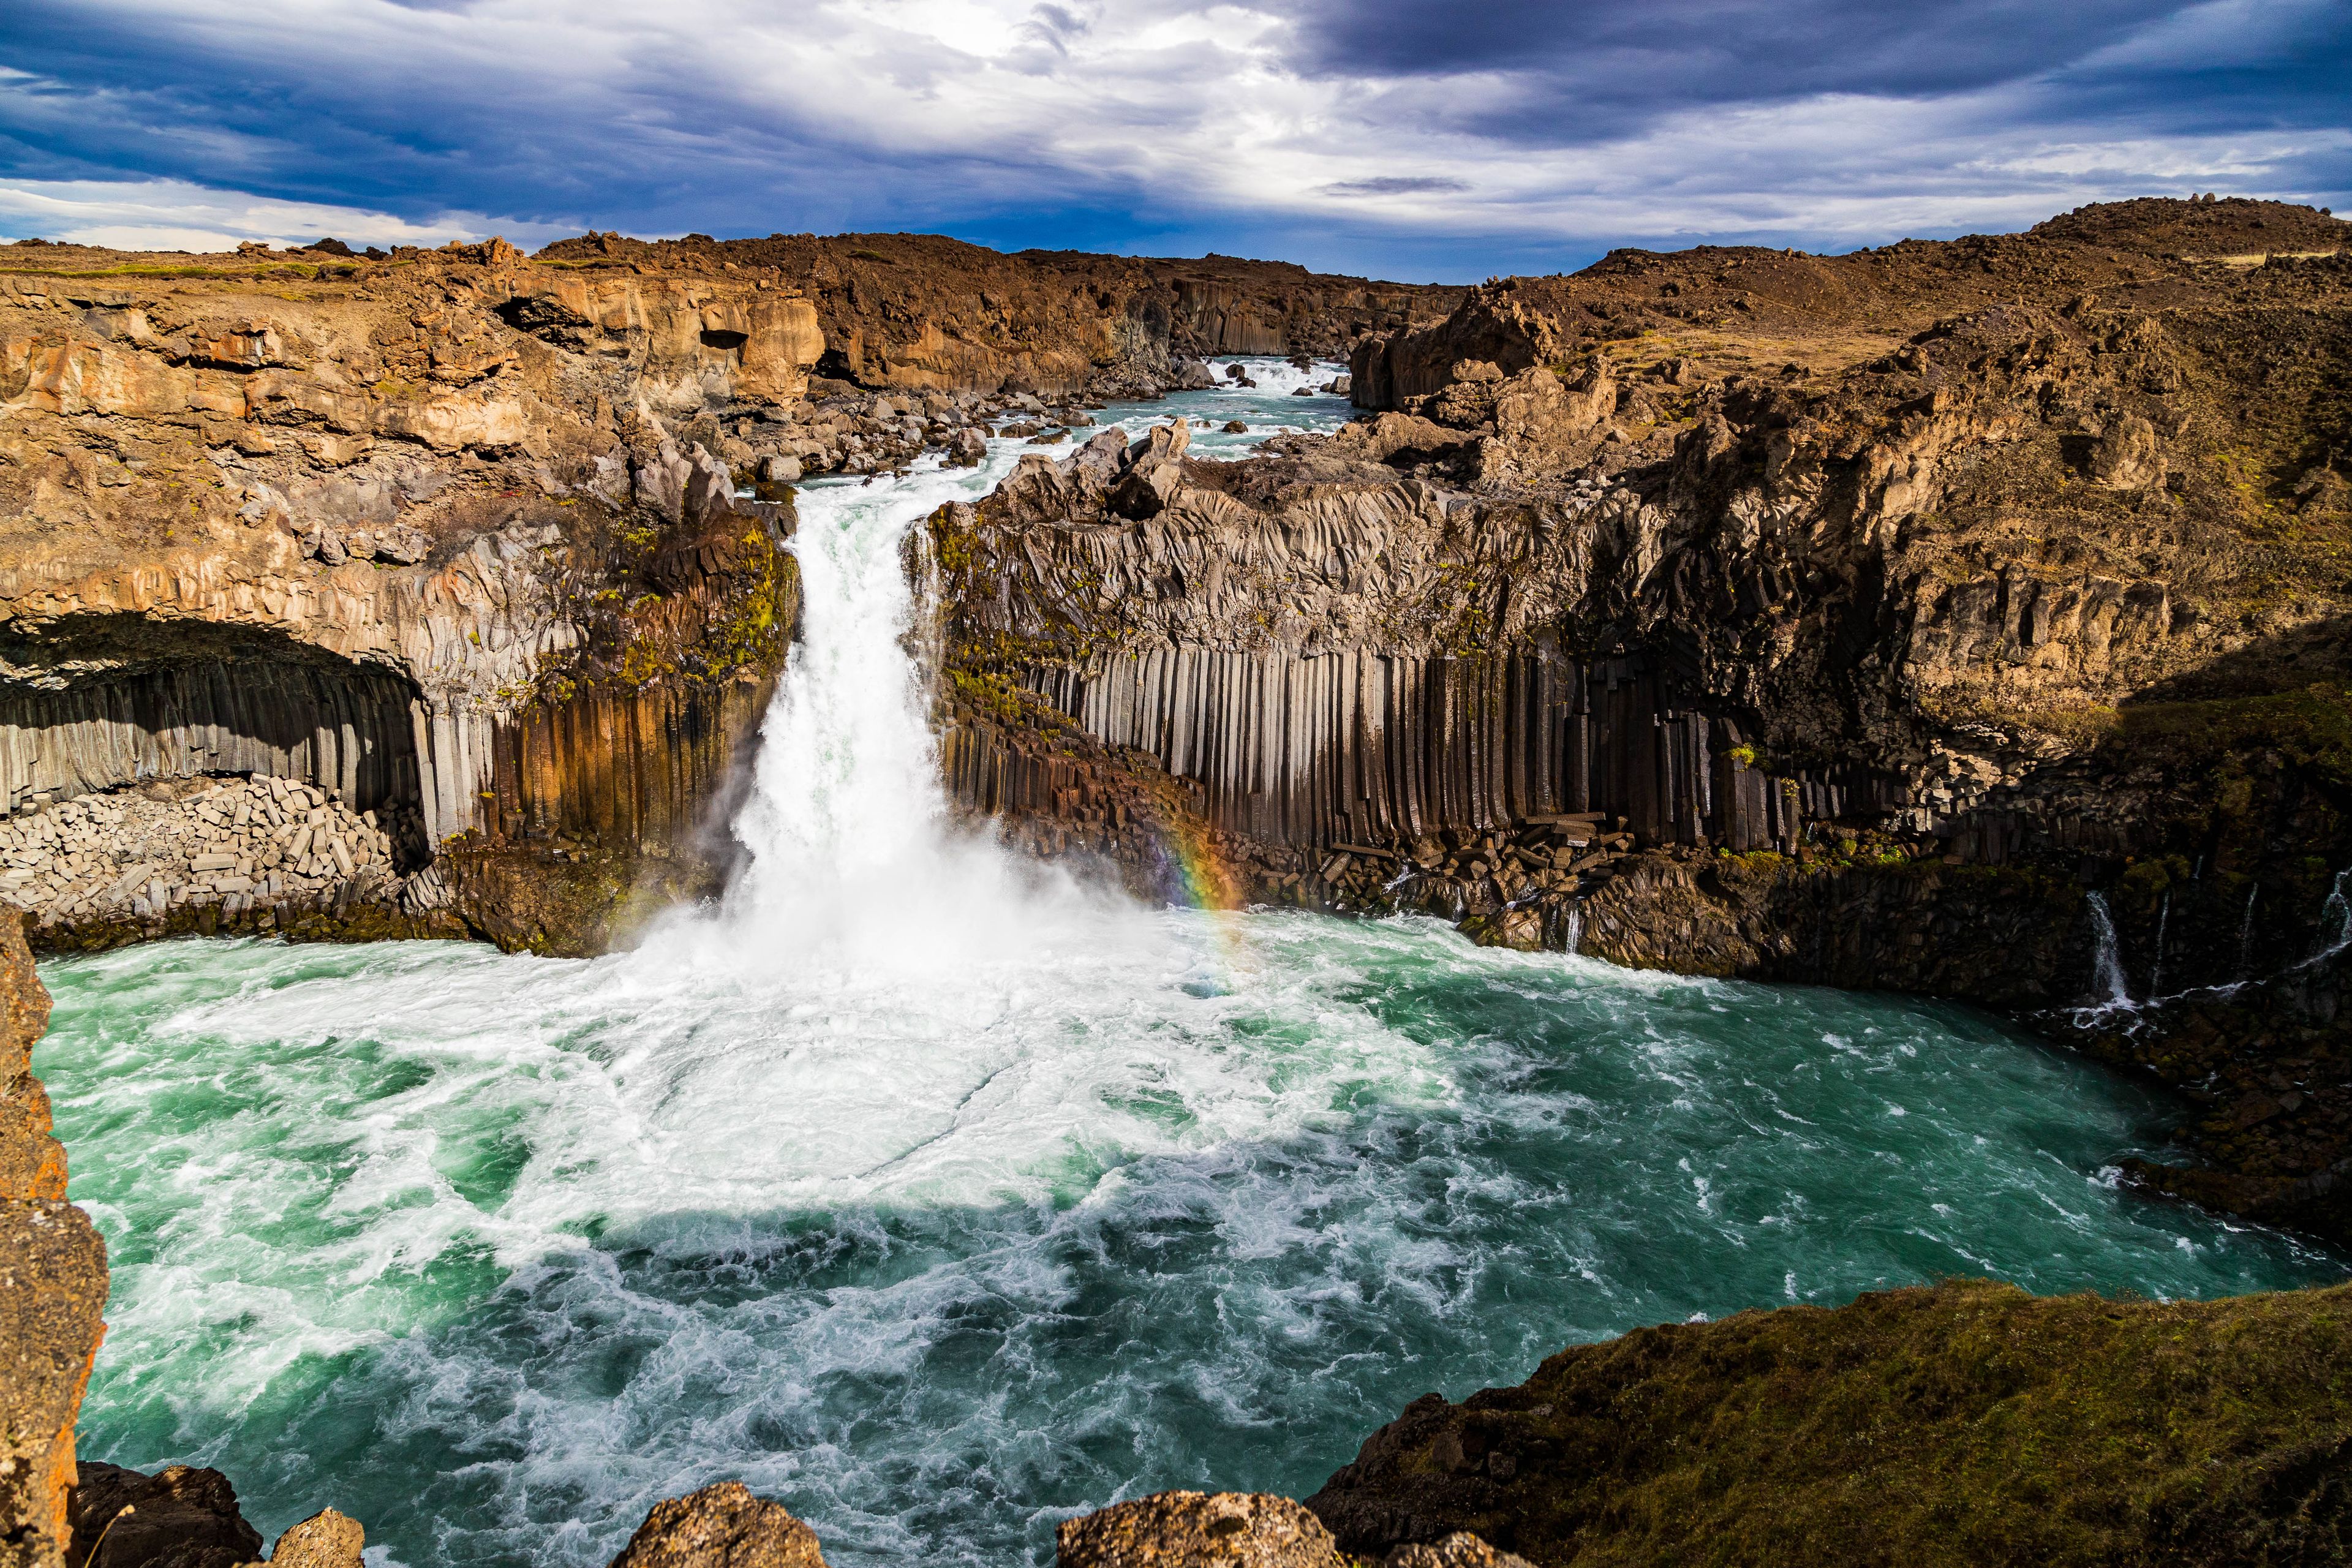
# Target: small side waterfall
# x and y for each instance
(2246, 935)
(2163, 918)
(1573, 937)
(2337, 913)
(2107, 963)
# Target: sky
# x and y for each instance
(1397, 139)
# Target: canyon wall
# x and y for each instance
(490, 550)
(52, 1285)
(1847, 620)
(924, 312)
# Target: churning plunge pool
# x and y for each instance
(943, 1198)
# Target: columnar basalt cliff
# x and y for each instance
(488, 552)
(1842, 619)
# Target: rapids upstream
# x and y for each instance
(944, 1197)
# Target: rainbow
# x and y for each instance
(1208, 882)
(1204, 876)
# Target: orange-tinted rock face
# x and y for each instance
(52, 1285)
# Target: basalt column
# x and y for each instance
(1360, 746)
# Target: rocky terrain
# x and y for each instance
(1964, 617)
(1966, 1423)
(1837, 619)
(486, 547)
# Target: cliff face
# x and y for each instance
(484, 550)
(1845, 620)
(52, 1285)
(925, 312)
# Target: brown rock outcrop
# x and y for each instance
(1968, 1423)
(1197, 1530)
(721, 1526)
(326, 1540)
(180, 1517)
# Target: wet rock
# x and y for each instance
(1198, 1530)
(721, 1526)
(1521, 929)
(1195, 376)
(180, 1516)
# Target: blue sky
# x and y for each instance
(1414, 141)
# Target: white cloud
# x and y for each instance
(173, 215)
(735, 114)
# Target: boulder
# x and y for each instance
(1147, 489)
(1193, 376)
(180, 1517)
(1521, 929)
(1103, 453)
(721, 1526)
(781, 470)
(1394, 435)
(1459, 1550)
(1236, 427)
(1163, 443)
(331, 1540)
(967, 450)
(1199, 1530)
(2126, 458)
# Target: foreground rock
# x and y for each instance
(184, 1516)
(180, 1517)
(1198, 1530)
(721, 1526)
(1967, 1424)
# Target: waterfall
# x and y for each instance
(2338, 909)
(2107, 963)
(853, 861)
(2163, 918)
(1574, 935)
(2246, 936)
